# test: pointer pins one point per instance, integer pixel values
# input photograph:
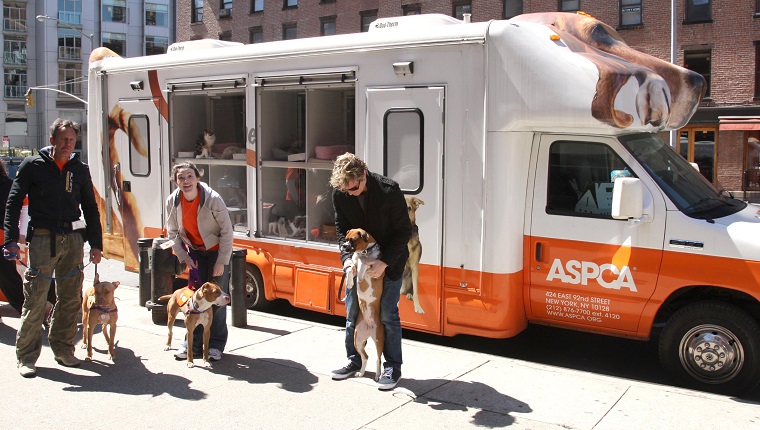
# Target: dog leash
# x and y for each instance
(13, 255)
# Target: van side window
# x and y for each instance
(581, 176)
(403, 137)
(139, 138)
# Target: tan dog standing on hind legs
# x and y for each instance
(369, 291)
(196, 305)
(99, 307)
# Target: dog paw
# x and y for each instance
(190, 364)
(84, 346)
(88, 358)
(409, 296)
(359, 374)
(418, 309)
(168, 347)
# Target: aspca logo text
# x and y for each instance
(580, 272)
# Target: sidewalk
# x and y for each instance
(275, 374)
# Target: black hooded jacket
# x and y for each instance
(55, 197)
(385, 217)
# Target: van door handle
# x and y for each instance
(539, 250)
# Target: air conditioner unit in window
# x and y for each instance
(225, 13)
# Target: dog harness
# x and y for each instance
(107, 310)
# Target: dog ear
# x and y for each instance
(365, 236)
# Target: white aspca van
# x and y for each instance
(528, 150)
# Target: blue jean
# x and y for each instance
(388, 316)
(206, 261)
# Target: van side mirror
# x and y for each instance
(627, 198)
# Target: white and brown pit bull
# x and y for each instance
(369, 291)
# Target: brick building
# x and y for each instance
(720, 40)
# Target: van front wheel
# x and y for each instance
(712, 346)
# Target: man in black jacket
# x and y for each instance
(57, 184)
(366, 200)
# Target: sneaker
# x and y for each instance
(181, 353)
(214, 354)
(346, 371)
(68, 361)
(389, 379)
(27, 370)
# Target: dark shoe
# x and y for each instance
(27, 370)
(389, 379)
(68, 361)
(346, 371)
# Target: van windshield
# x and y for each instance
(694, 195)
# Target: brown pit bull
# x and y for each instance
(98, 307)
(196, 305)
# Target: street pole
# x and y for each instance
(673, 56)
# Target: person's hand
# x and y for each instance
(348, 267)
(218, 269)
(376, 268)
(190, 263)
(10, 251)
(95, 255)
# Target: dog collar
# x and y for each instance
(368, 250)
(104, 309)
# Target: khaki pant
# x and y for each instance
(66, 265)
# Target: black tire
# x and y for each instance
(254, 289)
(712, 346)
(159, 316)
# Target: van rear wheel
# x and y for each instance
(254, 289)
(712, 346)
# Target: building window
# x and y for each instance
(14, 51)
(69, 44)
(461, 8)
(512, 8)
(70, 11)
(333, 1)
(116, 42)
(15, 83)
(157, 14)
(699, 61)
(630, 13)
(115, 11)
(367, 18)
(289, 31)
(70, 78)
(226, 35)
(411, 9)
(327, 25)
(257, 6)
(287, 4)
(197, 11)
(14, 17)
(225, 4)
(569, 5)
(698, 11)
(255, 35)
(155, 45)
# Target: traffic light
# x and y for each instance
(29, 99)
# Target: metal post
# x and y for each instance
(164, 267)
(237, 288)
(144, 244)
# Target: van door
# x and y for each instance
(405, 143)
(588, 269)
(135, 167)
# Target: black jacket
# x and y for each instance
(55, 197)
(386, 220)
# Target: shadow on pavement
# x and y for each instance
(127, 376)
(287, 374)
(492, 407)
